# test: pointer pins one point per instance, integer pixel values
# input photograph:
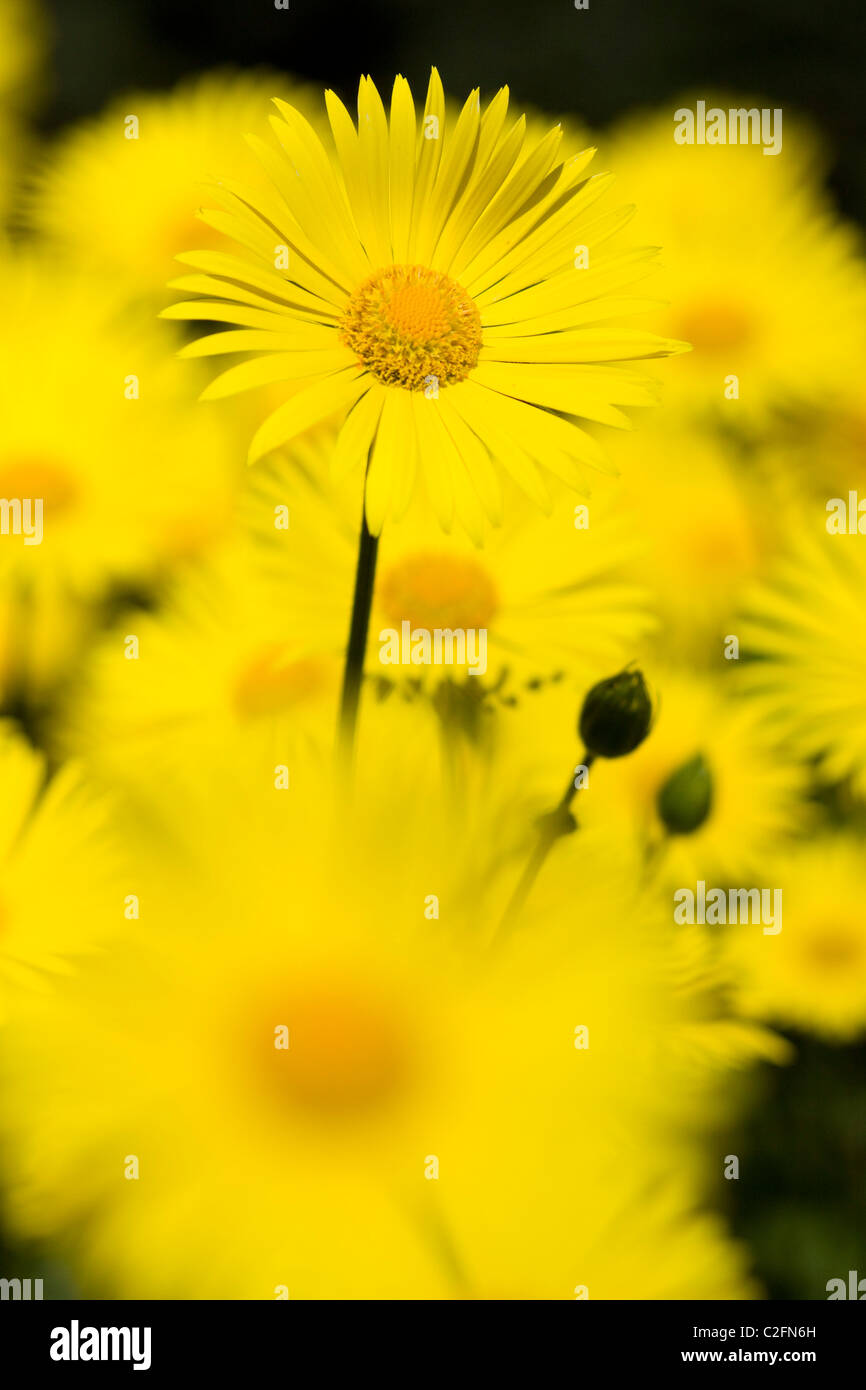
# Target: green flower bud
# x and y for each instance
(616, 715)
(685, 800)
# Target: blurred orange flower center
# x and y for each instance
(432, 590)
(410, 325)
(834, 949)
(35, 479)
(271, 684)
(347, 1053)
(715, 325)
(721, 544)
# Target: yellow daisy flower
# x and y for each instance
(222, 683)
(431, 285)
(122, 197)
(805, 630)
(738, 227)
(549, 595)
(108, 475)
(376, 1108)
(709, 526)
(242, 660)
(812, 974)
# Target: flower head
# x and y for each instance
(376, 1105)
(122, 197)
(812, 974)
(450, 293)
(98, 441)
(737, 230)
(552, 595)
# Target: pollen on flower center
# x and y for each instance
(408, 324)
(435, 590)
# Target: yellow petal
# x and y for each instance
(324, 397)
(476, 458)
(357, 434)
(276, 366)
(388, 460)
(436, 477)
(479, 409)
(429, 157)
(457, 157)
(402, 167)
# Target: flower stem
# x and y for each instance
(553, 826)
(353, 672)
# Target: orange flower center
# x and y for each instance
(272, 684)
(431, 590)
(411, 327)
(348, 1051)
(34, 479)
(715, 325)
(834, 950)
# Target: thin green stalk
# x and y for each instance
(353, 673)
(554, 825)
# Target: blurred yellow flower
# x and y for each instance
(373, 1104)
(270, 1026)
(122, 198)
(763, 278)
(108, 474)
(550, 594)
(222, 687)
(806, 632)
(812, 975)
(707, 527)
(450, 293)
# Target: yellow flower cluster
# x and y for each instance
(299, 997)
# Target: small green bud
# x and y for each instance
(685, 800)
(616, 715)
